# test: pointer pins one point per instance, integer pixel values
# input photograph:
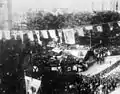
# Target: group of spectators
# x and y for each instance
(44, 60)
(51, 79)
(37, 61)
(11, 71)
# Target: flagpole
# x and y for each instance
(92, 6)
(102, 5)
(90, 39)
(116, 6)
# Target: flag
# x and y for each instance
(60, 36)
(52, 34)
(20, 35)
(99, 29)
(79, 31)
(0, 35)
(6, 34)
(31, 82)
(14, 34)
(25, 37)
(69, 35)
(37, 33)
(30, 35)
(118, 23)
(44, 34)
(89, 27)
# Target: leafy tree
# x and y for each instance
(104, 18)
(42, 20)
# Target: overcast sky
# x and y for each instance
(82, 5)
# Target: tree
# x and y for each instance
(104, 18)
(43, 20)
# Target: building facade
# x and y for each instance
(5, 14)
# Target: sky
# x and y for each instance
(82, 5)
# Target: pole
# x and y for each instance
(90, 38)
(92, 6)
(9, 8)
(102, 6)
(117, 6)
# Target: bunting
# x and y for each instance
(14, 34)
(44, 34)
(30, 35)
(53, 34)
(99, 28)
(25, 37)
(6, 34)
(31, 82)
(69, 36)
(66, 34)
(60, 36)
(89, 27)
(20, 35)
(118, 23)
(37, 33)
(0, 35)
(79, 31)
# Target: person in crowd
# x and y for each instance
(12, 78)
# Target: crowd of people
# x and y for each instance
(11, 71)
(59, 73)
(52, 79)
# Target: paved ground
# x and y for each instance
(97, 68)
(117, 91)
(114, 71)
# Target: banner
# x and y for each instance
(13, 34)
(31, 82)
(30, 35)
(79, 31)
(119, 23)
(44, 34)
(60, 35)
(99, 29)
(38, 36)
(89, 27)
(0, 35)
(69, 35)
(63, 36)
(6, 34)
(52, 34)
(20, 35)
